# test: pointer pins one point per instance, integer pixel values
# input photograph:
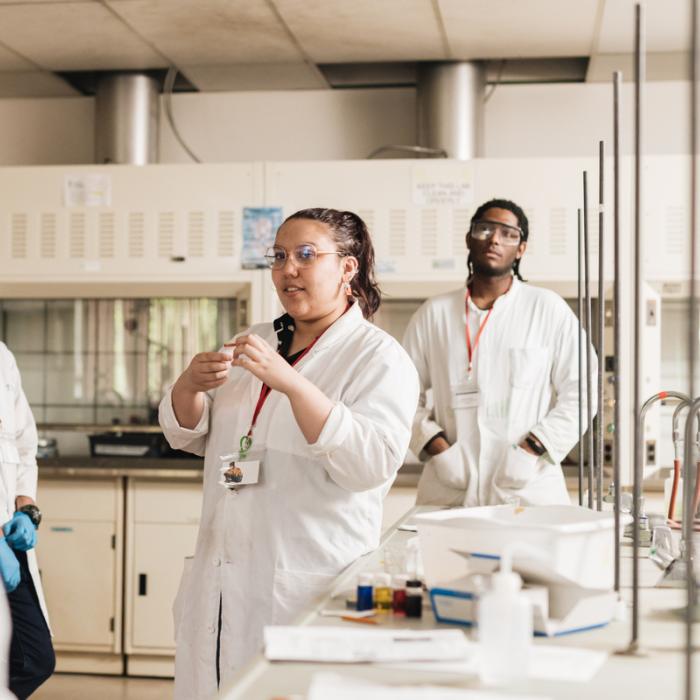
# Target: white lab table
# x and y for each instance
(656, 672)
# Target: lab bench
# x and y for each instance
(111, 546)
(657, 672)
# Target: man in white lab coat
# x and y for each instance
(501, 359)
(31, 659)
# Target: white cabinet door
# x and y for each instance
(159, 550)
(78, 571)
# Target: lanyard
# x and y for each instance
(471, 350)
(247, 439)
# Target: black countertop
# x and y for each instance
(122, 466)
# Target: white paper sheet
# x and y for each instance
(547, 662)
(344, 645)
(332, 685)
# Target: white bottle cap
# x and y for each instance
(365, 580)
(506, 582)
(383, 580)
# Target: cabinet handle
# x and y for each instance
(142, 584)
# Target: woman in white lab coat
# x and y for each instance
(330, 436)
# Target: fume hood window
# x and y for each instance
(103, 361)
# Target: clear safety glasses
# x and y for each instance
(485, 230)
(303, 255)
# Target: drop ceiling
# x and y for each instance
(277, 44)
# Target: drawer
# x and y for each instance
(96, 500)
(165, 502)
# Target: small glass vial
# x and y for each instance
(414, 598)
(382, 593)
(365, 599)
(398, 583)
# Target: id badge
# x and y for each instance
(465, 395)
(239, 469)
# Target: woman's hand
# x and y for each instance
(254, 354)
(207, 370)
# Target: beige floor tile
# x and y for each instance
(68, 686)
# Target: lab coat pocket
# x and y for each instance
(527, 365)
(449, 467)
(296, 591)
(181, 595)
(9, 454)
(518, 469)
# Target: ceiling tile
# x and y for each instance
(516, 29)
(255, 76)
(338, 31)
(10, 61)
(211, 32)
(667, 26)
(34, 84)
(74, 36)
(41, 2)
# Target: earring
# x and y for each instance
(347, 288)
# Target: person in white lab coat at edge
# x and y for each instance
(31, 659)
(501, 360)
(334, 425)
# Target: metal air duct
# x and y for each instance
(450, 108)
(126, 119)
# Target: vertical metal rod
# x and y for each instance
(689, 475)
(601, 328)
(581, 452)
(617, 454)
(637, 339)
(690, 457)
(588, 340)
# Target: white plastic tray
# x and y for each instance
(574, 544)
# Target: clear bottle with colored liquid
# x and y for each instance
(383, 597)
(365, 595)
(398, 583)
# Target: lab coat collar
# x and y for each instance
(340, 329)
(284, 329)
(504, 299)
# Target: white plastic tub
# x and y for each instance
(574, 544)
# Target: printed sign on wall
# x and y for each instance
(260, 225)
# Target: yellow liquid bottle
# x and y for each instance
(383, 593)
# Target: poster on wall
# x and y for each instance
(437, 184)
(260, 225)
(90, 190)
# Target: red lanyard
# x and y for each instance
(265, 390)
(471, 351)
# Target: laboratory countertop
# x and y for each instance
(110, 467)
(656, 672)
(147, 467)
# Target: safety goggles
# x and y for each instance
(485, 230)
(303, 255)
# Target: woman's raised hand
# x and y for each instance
(253, 353)
(206, 371)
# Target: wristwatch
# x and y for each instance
(535, 445)
(33, 512)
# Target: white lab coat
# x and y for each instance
(18, 444)
(271, 549)
(526, 372)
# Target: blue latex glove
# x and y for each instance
(20, 532)
(9, 566)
